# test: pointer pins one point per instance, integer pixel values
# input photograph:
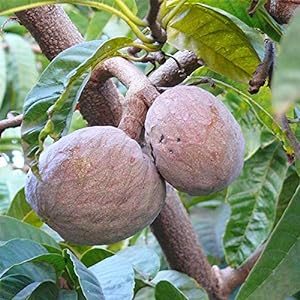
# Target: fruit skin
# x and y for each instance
(97, 187)
(197, 145)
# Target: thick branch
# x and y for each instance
(175, 234)
(176, 69)
(54, 32)
(10, 122)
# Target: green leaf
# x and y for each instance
(209, 224)
(49, 106)
(11, 140)
(21, 210)
(11, 285)
(187, 285)
(116, 277)
(89, 284)
(288, 190)
(36, 271)
(286, 78)
(10, 253)
(33, 290)
(94, 255)
(96, 25)
(144, 260)
(253, 198)
(46, 291)
(67, 295)
(245, 116)
(22, 73)
(10, 183)
(11, 228)
(277, 273)
(261, 19)
(2, 75)
(165, 290)
(197, 28)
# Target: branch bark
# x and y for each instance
(54, 32)
(10, 123)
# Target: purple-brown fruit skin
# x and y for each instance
(97, 187)
(197, 145)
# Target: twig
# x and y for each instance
(158, 33)
(10, 122)
(264, 69)
(253, 7)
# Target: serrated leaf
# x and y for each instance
(116, 277)
(253, 198)
(11, 228)
(197, 27)
(187, 285)
(261, 19)
(49, 106)
(144, 260)
(89, 284)
(165, 290)
(209, 224)
(94, 255)
(2, 75)
(10, 253)
(286, 78)
(21, 210)
(21, 61)
(277, 273)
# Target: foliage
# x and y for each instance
(261, 206)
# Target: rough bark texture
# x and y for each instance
(179, 241)
(54, 32)
(282, 10)
(176, 69)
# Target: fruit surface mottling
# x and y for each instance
(197, 145)
(96, 187)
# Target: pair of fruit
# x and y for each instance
(98, 186)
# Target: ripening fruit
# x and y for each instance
(196, 143)
(97, 187)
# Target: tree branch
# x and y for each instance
(177, 238)
(158, 33)
(230, 278)
(54, 32)
(10, 122)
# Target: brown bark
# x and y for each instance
(282, 10)
(54, 32)
(179, 241)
